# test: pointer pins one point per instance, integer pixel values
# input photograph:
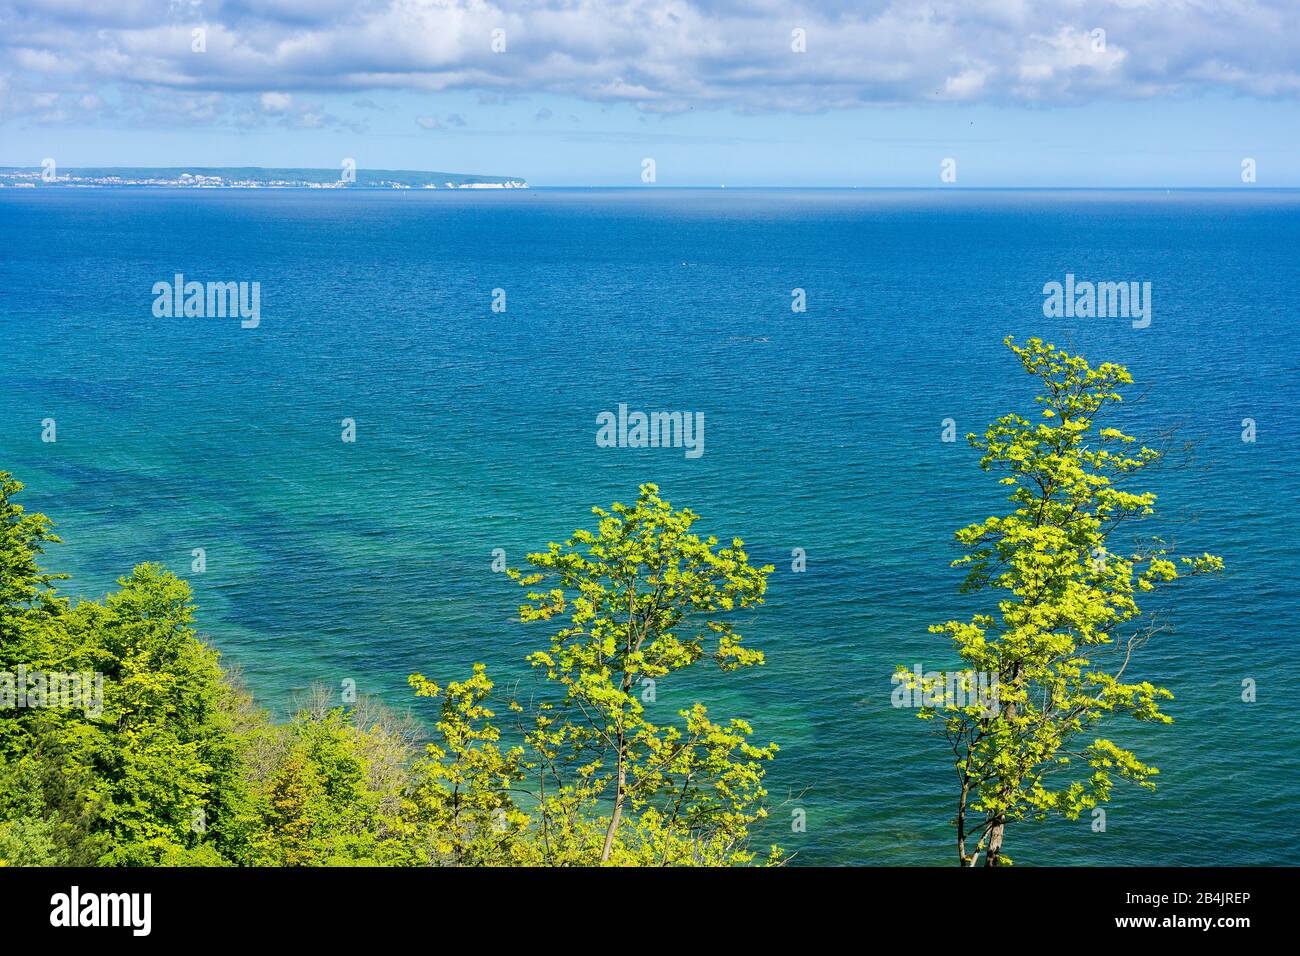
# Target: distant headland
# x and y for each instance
(348, 176)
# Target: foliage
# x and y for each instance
(1066, 622)
(175, 765)
(639, 599)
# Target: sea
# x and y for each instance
(830, 339)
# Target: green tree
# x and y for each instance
(24, 585)
(640, 598)
(1066, 622)
(124, 782)
(29, 609)
(326, 792)
(294, 822)
(460, 810)
(46, 804)
(162, 751)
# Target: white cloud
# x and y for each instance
(276, 102)
(662, 56)
(965, 85)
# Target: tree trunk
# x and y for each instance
(618, 803)
(631, 646)
(999, 823)
(996, 832)
(961, 829)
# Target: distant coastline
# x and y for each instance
(247, 177)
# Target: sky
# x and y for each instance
(1161, 93)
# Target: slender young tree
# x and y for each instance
(640, 598)
(1058, 643)
(459, 808)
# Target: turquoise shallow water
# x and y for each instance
(476, 431)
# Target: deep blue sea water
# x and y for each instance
(475, 431)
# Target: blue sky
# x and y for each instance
(579, 92)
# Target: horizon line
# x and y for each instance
(945, 187)
(658, 187)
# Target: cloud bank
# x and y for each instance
(259, 61)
